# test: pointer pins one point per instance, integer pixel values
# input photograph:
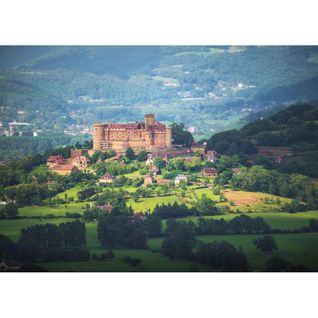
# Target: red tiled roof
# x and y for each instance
(210, 170)
(107, 176)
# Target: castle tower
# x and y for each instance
(149, 120)
(98, 136)
(168, 137)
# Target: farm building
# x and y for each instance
(180, 178)
(106, 178)
(148, 179)
(209, 172)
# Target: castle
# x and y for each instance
(149, 135)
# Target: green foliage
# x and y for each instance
(159, 162)
(118, 229)
(130, 154)
(221, 256)
(295, 186)
(179, 240)
(266, 243)
(180, 136)
(142, 156)
(9, 211)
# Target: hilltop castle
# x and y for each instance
(149, 135)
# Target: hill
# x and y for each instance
(291, 133)
(208, 88)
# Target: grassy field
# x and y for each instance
(150, 261)
(245, 201)
(297, 248)
(12, 228)
(153, 262)
(148, 204)
(70, 193)
(277, 220)
(60, 210)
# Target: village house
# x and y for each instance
(279, 160)
(154, 170)
(106, 207)
(138, 216)
(148, 179)
(163, 181)
(180, 178)
(78, 152)
(81, 162)
(55, 160)
(106, 178)
(64, 170)
(195, 146)
(212, 156)
(117, 157)
(209, 172)
(236, 170)
(149, 160)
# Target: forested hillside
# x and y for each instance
(291, 133)
(207, 88)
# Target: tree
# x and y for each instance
(221, 256)
(313, 225)
(9, 211)
(265, 244)
(129, 153)
(142, 156)
(119, 228)
(179, 240)
(159, 162)
(180, 136)
(154, 225)
(277, 264)
(206, 206)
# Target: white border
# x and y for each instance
(172, 22)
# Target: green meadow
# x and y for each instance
(277, 220)
(300, 248)
(12, 228)
(59, 210)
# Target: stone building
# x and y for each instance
(149, 135)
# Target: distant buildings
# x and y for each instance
(209, 172)
(55, 160)
(148, 179)
(81, 162)
(154, 170)
(212, 156)
(180, 178)
(106, 178)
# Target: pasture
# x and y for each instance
(12, 228)
(276, 220)
(298, 249)
(59, 210)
